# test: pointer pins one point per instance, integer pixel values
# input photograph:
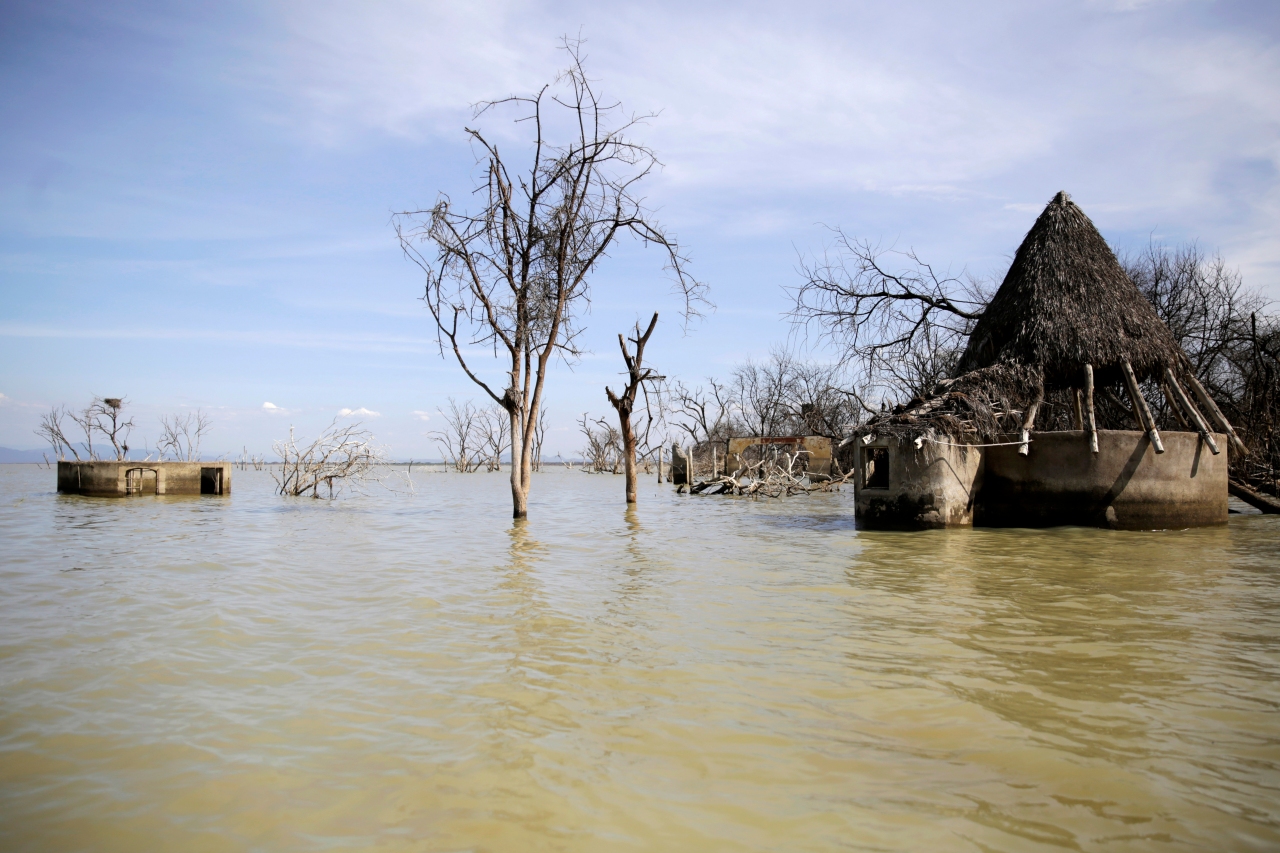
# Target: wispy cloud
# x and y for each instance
(360, 412)
(420, 415)
(329, 341)
(273, 408)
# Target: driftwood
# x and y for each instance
(1254, 498)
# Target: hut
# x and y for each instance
(1013, 437)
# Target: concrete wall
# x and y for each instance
(113, 479)
(817, 459)
(934, 486)
(1127, 485)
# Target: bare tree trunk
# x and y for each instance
(637, 375)
(629, 457)
(519, 482)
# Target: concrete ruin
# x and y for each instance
(126, 478)
(1126, 485)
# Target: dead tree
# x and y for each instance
(52, 431)
(102, 416)
(603, 453)
(181, 435)
(515, 275)
(539, 435)
(495, 436)
(460, 441)
(343, 457)
(637, 376)
(888, 311)
(706, 414)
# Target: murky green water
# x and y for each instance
(412, 672)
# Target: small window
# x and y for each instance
(875, 468)
(210, 481)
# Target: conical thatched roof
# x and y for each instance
(1066, 302)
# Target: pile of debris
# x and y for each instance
(773, 473)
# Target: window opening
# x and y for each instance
(875, 468)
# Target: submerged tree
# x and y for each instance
(638, 377)
(101, 417)
(344, 456)
(181, 435)
(515, 275)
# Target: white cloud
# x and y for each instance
(3, 399)
(419, 415)
(271, 407)
(361, 412)
(766, 109)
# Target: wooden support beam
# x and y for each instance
(1029, 421)
(1091, 421)
(1219, 419)
(1173, 405)
(1140, 404)
(1181, 400)
(1077, 409)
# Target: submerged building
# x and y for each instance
(1068, 335)
(130, 477)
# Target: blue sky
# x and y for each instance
(195, 198)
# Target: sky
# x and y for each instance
(196, 199)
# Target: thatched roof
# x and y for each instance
(1066, 302)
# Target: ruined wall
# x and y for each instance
(817, 451)
(1126, 485)
(113, 478)
(933, 486)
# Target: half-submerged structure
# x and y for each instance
(1066, 333)
(124, 478)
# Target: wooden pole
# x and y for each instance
(1219, 419)
(1090, 419)
(659, 464)
(1029, 421)
(1182, 401)
(1140, 405)
(1173, 404)
(1077, 409)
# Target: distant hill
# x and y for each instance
(8, 454)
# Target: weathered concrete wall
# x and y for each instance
(935, 486)
(681, 466)
(1127, 485)
(817, 459)
(120, 479)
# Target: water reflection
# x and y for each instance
(416, 671)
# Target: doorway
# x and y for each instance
(140, 481)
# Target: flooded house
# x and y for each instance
(124, 478)
(1013, 437)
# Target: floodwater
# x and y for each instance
(414, 672)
